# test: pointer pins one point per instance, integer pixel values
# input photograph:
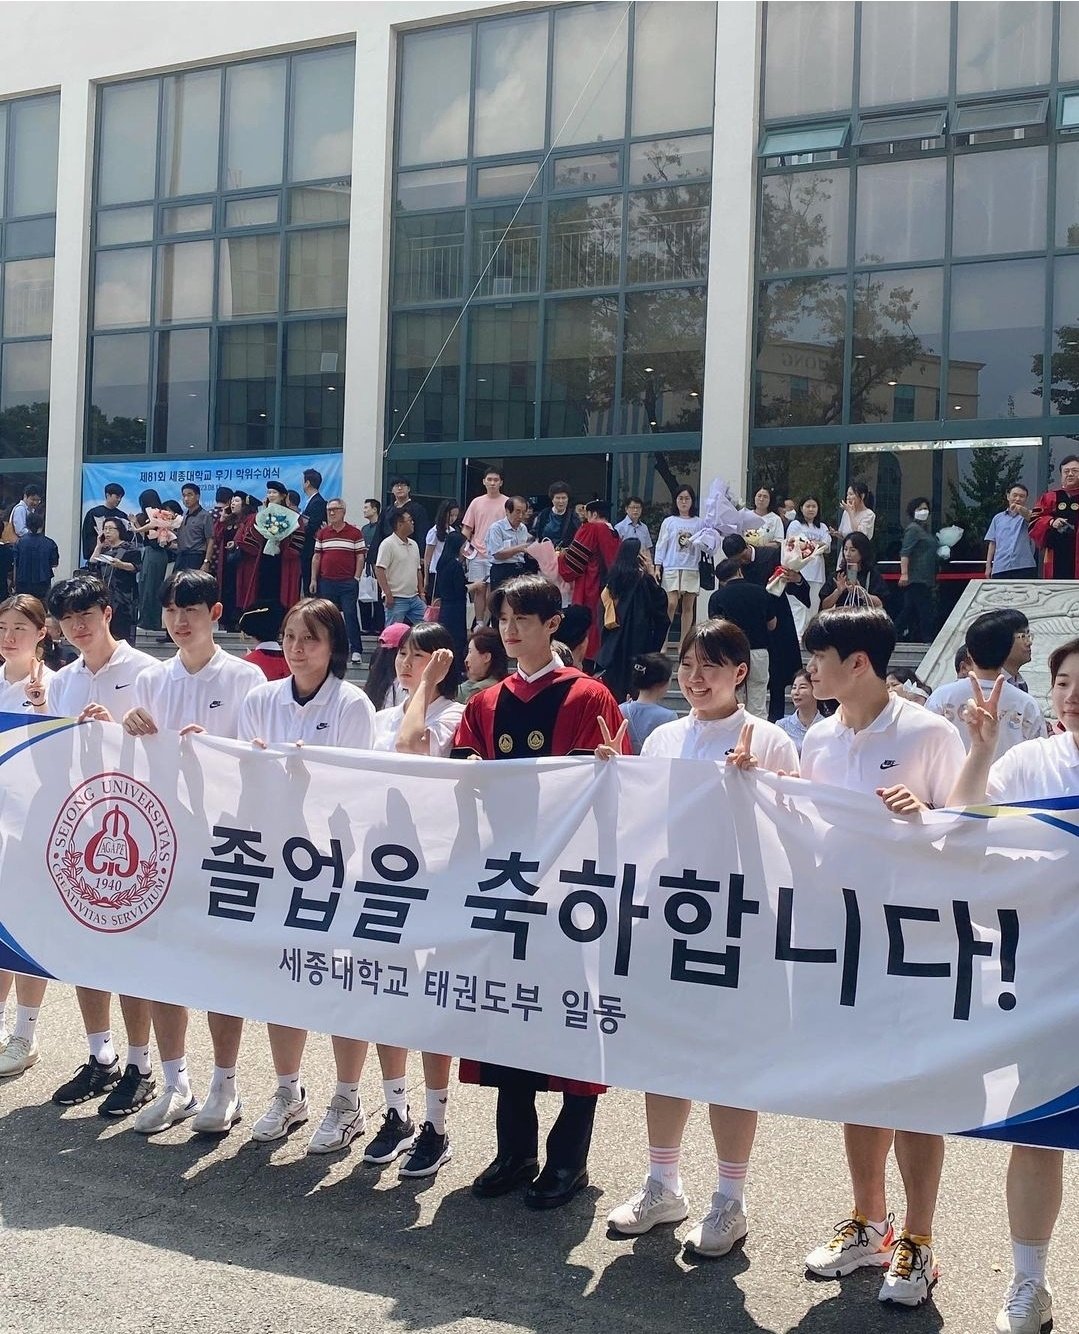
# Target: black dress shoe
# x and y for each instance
(503, 1175)
(555, 1186)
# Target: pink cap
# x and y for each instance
(393, 634)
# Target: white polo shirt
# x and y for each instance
(1034, 770)
(339, 714)
(75, 686)
(1020, 715)
(903, 744)
(691, 738)
(13, 694)
(441, 722)
(212, 697)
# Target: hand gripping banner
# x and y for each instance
(731, 937)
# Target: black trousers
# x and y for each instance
(570, 1136)
(918, 618)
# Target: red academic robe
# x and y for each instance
(516, 719)
(272, 665)
(252, 543)
(585, 564)
(1061, 549)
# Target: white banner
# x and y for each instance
(664, 925)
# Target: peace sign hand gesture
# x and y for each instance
(741, 757)
(34, 689)
(981, 714)
(612, 745)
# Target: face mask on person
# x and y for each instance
(921, 515)
(789, 515)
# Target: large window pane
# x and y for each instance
(667, 160)
(428, 257)
(36, 133)
(30, 237)
(673, 67)
(511, 85)
(1068, 53)
(320, 203)
(799, 471)
(121, 226)
(904, 52)
(428, 341)
(28, 286)
(1000, 201)
(584, 239)
(248, 277)
(122, 287)
(998, 319)
(578, 367)
(668, 234)
(191, 111)
(187, 218)
(435, 78)
(3, 154)
(318, 269)
(1003, 45)
(322, 89)
(501, 384)
(663, 367)
(253, 211)
(24, 399)
(185, 281)
(589, 88)
(441, 187)
(182, 403)
(1067, 211)
(127, 146)
(800, 338)
(896, 359)
(809, 57)
(313, 391)
(119, 394)
(246, 376)
(804, 221)
(254, 124)
(1064, 389)
(587, 171)
(901, 212)
(506, 250)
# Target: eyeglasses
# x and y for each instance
(1025, 636)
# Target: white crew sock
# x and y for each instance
(139, 1056)
(350, 1092)
(732, 1182)
(25, 1021)
(663, 1167)
(101, 1048)
(1029, 1258)
(223, 1077)
(395, 1091)
(436, 1109)
(291, 1083)
(175, 1073)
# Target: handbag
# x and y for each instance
(367, 588)
(9, 536)
(430, 612)
(706, 569)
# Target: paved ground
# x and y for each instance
(103, 1230)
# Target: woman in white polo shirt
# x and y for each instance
(1030, 771)
(314, 705)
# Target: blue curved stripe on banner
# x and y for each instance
(14, 959)
(43, 726)
(1055, 1132)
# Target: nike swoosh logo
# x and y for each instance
(123, 687)
(888, 764)
(215, 703)
(321, 726)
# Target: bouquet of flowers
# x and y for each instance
(948, 537)
(794, 554)
(162, 526)
(276, 523)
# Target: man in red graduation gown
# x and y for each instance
(541, 709)
(1054, 524)
(587, 561)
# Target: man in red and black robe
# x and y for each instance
(541, 709)
(1054, 524)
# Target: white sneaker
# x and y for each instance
(286, 1110)
(18, 1056)
(856, 1244)
(5, 1038)
(1027, 1309)
(911, 1274)
(167, 1110)
(357, 659)
(723, 1228)
(651, 1206)
(340, 1126)
(220, 1112)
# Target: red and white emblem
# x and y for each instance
(112, 852)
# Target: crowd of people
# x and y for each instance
(571, 659)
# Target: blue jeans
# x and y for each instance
(343, 593)
(409, 610)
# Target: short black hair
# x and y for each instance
(492, 470)
(558, 489)
(727, 569)
(400, 517)
(322, 614)
(425, 637)
(79, 593)
(313, 476)
(223, 495)
(31, 489)
(917, 503)
(189, 588)
(734, 544)
(372, 501)
(114, 489)
(1014, 619)
(649, 669)
(989, 639)
(576, 623)
(1019, 486)
(294, 497)
(633, 500)
(962, 660)
(602, 507)
(512, 500)
(717, 641)
(865, 630)
(191, 486)
(400, 481)
(1071, 458)
(34, 523)
(528, 595)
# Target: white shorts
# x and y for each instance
(681, 581)
(479, 569)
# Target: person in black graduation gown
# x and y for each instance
(784, 651)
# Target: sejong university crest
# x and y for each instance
(112, 852)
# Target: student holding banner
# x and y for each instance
(201, 689)
(714, 662)
(1033, 770)
(313, 705)
(879, 743)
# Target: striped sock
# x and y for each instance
(732, 1182)
(663, 1167)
